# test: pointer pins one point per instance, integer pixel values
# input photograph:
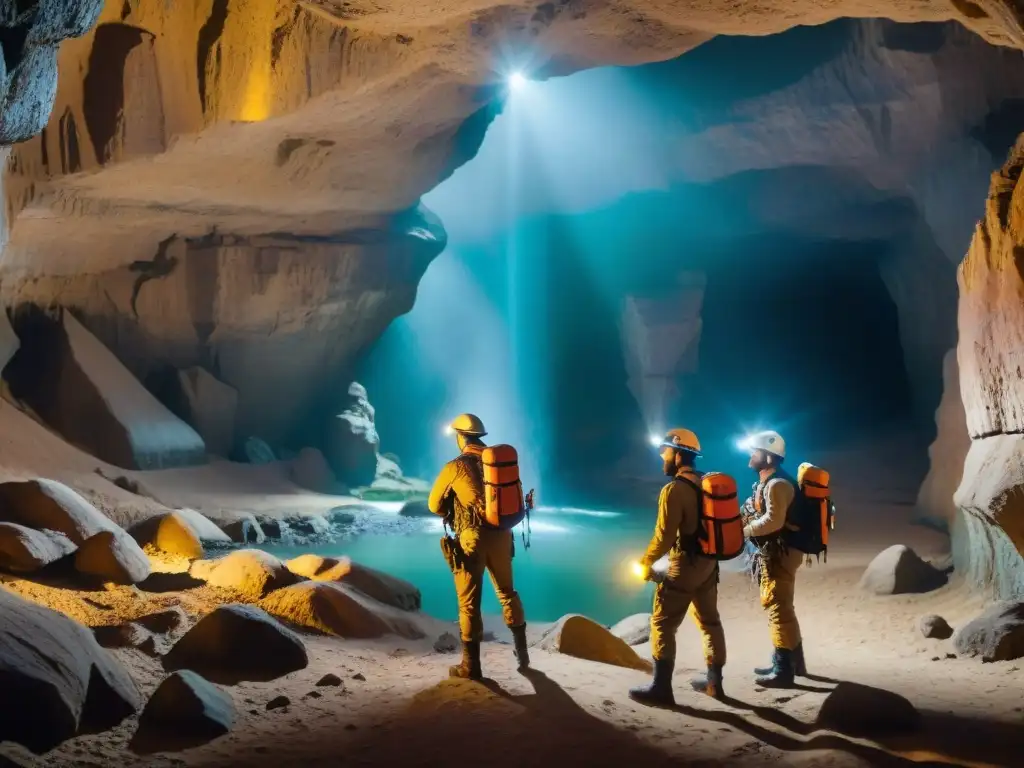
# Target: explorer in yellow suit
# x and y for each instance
(691, 580)
(458, 496)
(777, 563)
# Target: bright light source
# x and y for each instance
(448, 429)
(638, 570)
(516, 81)
(655, 440)
(743, 444)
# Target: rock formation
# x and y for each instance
(989, 531)
(947, 452)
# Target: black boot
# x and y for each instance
(659, 691)
(711, 683)
(799, 665)
(781, 675)
(521, 650)
(470, 666)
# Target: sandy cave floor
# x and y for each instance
(566, 711)
(574, 712)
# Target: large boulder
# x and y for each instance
(113, 556)
(995, 635)
(210, 406)
(859, 710)
(208, 532)
(898, 571)
(56, 680)
(82, 390)
(352, 441)
(635, 629)
(578, 636)
(23, 550)
(947, 452)
(169, 532)
(334, 609)
(184, 711)
(249, 572)
(235, 643)
(373, 583)
(47, 504)
(310, 470)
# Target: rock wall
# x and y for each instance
(277, 317)
(989, 534)
(947, 452)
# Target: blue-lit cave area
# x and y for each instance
(284, 281)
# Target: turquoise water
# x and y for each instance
(578, 562)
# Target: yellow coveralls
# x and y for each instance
(693, 581)
(485, 548)
(770, 504)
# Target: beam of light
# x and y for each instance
(516, 81)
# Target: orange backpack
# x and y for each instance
(812, 516)
(504, 506)
(720, 526)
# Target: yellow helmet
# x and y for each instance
(468, 424)
(682, 439)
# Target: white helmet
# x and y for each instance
(767, 441)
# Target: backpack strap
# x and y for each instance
(688, 541)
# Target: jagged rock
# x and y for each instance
(129, 635)
(635, 629)
(997, 634)
(446, 643)
(82, 390)
(245, 530)
(936, 627)
(249, 572)
(578, 636)
(235, 643)
(415, 508)
(210, 407)
(23, 550)
(278, 702)
(373, 583)
(947, 452)
(351, 447)
(333, 609)
(271, 528)
(311, 470)
(47, 504)
(112, 556)
(858, 710)
(163, 621)
(58, 681)
(258, 452)
(329, 680)
(898, 570)
(309, 526)
(169, 532)
(184, 711)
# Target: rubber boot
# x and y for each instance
(781, 675)
(799, 665)
(521, 651)
(711, 683)
(659, 692)
(470, 666)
